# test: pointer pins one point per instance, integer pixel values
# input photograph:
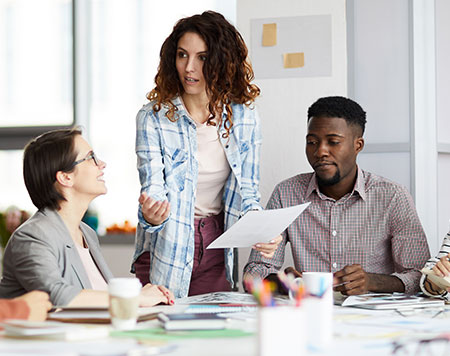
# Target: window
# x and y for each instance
(36, 83)
(35, 63)
(117, 47)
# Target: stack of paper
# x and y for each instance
(192, 321)
(101, 315)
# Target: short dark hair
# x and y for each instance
(43, 157)
(338, 106)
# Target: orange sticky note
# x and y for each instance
(269, 34)
(293, 60)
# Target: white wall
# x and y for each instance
(398, 70)
(379, 80)
(442, 113)
(284, 102)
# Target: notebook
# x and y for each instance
(192, 321)
(220, 308)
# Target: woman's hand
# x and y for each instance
(39, 304)
(442, 268)
(152, 294)
(154, 211)
(267, 250)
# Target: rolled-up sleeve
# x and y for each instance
(150, 163)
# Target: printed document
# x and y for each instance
(258, 226)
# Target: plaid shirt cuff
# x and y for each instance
(411, 281)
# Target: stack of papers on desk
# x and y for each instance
(53, 330)
(101, 315)
(386, 301)
(192, 321)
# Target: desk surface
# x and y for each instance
(356, 332)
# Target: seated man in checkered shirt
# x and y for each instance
(360, 226)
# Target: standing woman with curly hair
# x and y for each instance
(197, 143)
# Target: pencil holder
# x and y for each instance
(318, 307)
(281, 331)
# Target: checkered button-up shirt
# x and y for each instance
(376, 225)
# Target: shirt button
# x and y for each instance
(334, 265)
(234, 166)
(334, 233)
(202, 224)
(227, 146)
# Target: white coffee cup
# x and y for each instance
(124, 302)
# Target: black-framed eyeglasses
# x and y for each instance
(91, 155)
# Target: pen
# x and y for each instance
(237, 305)
(340, 284)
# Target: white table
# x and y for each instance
(356, 332)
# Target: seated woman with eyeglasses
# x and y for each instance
(54, 251)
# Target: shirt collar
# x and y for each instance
(359, 187)
(182, 111)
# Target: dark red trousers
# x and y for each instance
(208, 273)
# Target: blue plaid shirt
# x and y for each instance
(168, 169)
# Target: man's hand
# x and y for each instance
(267, 250)
(273, 277)
(154, 211)
(351, 280)
(39, 304)
(293, 271)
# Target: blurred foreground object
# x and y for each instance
(10, 220)
(126, 228)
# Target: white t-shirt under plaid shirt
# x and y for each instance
(376, 225)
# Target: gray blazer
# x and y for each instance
(41, 255)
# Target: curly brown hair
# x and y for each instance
(226, 70)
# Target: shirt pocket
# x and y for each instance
(244, 147)
(175, 167)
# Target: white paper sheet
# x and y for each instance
(258, 226)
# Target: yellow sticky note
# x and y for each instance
(293, 60)
(269, 34)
